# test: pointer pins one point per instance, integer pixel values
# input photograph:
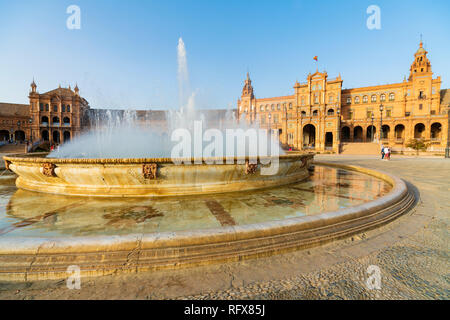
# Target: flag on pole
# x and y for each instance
(316, 58)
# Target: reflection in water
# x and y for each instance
(24, 213)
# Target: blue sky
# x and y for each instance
(125, 54)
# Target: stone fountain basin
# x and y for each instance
(152, 177)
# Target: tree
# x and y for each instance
(418, 145)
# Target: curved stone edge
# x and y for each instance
(23, 259)
(39, 157)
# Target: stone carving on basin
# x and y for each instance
(149, 177)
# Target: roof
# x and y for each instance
(14, 109)
(445, 97)
(63, 92)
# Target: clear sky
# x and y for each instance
(125, 54)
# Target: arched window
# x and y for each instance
(315, 113)
(374, 98)
(68, 108)
(392, 97)
(63, 108)
(46, 107)
(303, 101)
(349, 100)
(316, 99)
(41, 107)
(55, 120)
(383, 97)
(267, 107)
(273, 107)
(262, 108)
(330, 99)
(55, 108)
(303, 113)
(44, 120)
(365, 99)
(330, 112)
(278, 107)
(357, 99)
(290, 106)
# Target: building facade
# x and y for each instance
(322, 116)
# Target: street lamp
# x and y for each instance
(338, 136)
(447, 150)
(372, 127)
(381, 121)
(30, 121)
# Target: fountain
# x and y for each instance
(173, 201)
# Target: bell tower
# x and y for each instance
(421, 65)
(246, 103)
(247, 91)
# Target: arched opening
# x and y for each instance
(303, 113)
(419, 131)
(55, 121)
(4, 135)
(56, 136)
(399, 132)
(66, 136)
(66, 121)
(315, 113)
(44, 120)
(371, 133)
(330, 112)
(309, 136)
(45, 135)
(436, 130)
(385, 130)
(329, 140)
(358, 134)
(19, 135)
(345, 134)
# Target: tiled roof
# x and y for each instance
(14, 109)
(445, 97)
(64, 92)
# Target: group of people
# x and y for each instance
(385, 153)
(54, 147)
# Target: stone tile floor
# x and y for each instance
(412, 254)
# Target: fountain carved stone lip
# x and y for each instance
(150, 177)
(25, 259)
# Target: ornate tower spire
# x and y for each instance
(33, 86)
(421, 65)
(247, 91)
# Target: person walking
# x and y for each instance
(382, 152)
(386, 150)
(389, 153)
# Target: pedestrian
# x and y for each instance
(382, 152)
(389, 153)
(386, 150)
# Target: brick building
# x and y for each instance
(321, 115)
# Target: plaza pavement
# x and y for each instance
(412, 254)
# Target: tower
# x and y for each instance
(247, 91)
(246, 103)
(33, 86)
(421, 66)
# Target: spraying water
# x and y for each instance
(137, 134)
